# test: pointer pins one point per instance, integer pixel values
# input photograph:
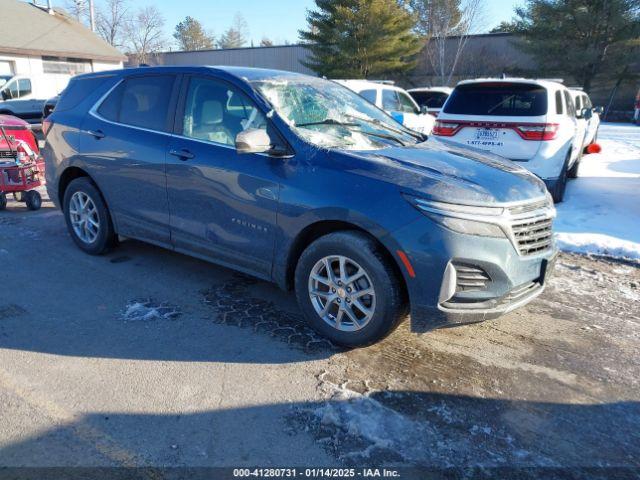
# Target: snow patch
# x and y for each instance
(147, 310)
(600, 213)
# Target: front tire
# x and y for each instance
(87, 216)
(349, 290)
(3, 201)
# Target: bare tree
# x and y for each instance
(79, 9)
(145, 33)
(449, 31)
(112, 22)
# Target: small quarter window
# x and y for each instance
(559, 107)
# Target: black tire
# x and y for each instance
(573, 171)
(33, 200)
(391, 305)
(106, 237)
(19, 196)
(3, 201)
(561, 185)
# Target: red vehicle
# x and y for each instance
(21, 166)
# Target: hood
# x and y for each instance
(442, 171)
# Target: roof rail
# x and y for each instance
(384, 82)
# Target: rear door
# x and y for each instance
(223, 204)
(125, 143)
(500, 117)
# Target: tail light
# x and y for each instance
(446, 129)
(543, 131)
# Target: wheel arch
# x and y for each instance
(318, 229)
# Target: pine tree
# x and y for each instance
(191, 36)
(360, 38)
(603, 36)
(236, 35)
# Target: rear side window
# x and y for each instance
(24, 84)
(369, 95)
(430, 99)
(79, 89)
(498, 99)
(140, 102)
(571, 110)
(390, 100)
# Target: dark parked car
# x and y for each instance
(49, 106)
(298, 180)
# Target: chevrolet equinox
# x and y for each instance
(300, 181)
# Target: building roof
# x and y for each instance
(32, 30)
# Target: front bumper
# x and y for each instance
(511, 279)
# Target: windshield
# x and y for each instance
(329, 115)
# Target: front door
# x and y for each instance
(223, 205)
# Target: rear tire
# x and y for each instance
(561, 184)
(573, 171)
(3, 201)
(355, 257)
(33, 200)
(90, 226)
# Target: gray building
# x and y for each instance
(484, 55)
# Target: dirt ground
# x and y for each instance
(145, 357)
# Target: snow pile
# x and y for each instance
(601, 209)
(382, 428)
(147, 310)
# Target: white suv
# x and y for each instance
(395, 101)
(528, 121)
(587, 114)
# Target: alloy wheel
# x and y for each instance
(84, 217)
(342, 293)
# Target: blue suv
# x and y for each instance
(300, 181)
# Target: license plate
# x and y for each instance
(486, 134)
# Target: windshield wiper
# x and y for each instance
(329, 121)
(379, 123)
(385, 136)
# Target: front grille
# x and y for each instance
(531, 227)
(470, 278)
(533, 236)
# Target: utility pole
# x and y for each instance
(92, 16)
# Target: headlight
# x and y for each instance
(467, 219)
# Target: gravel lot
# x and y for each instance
(147, 357)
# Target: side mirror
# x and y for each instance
(254, 140)
(587, 113)
(424, 109)
(599, 110)
(6, 94)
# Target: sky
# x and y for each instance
(278, 20)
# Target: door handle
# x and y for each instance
(183, 154)
(97, 134)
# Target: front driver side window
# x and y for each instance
(216, 112)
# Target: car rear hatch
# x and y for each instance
(508, 119)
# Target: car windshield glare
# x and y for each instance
(329, 115)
